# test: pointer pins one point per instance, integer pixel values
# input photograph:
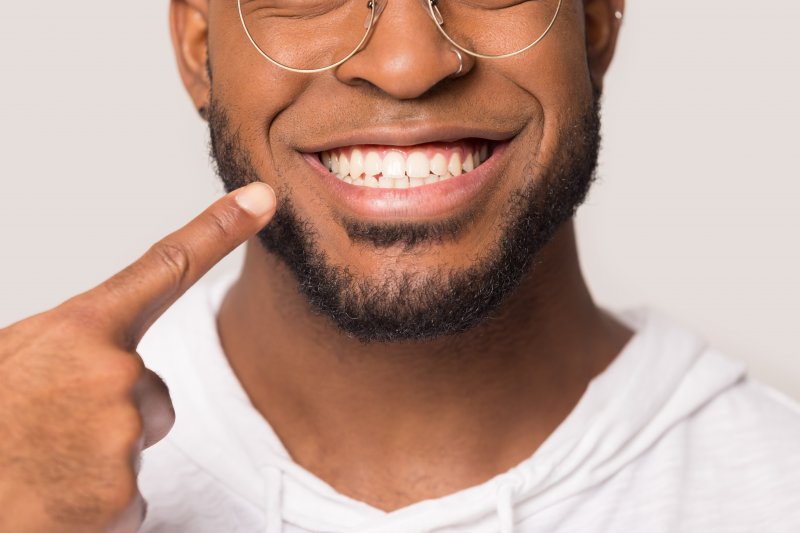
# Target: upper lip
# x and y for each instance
(399, 134)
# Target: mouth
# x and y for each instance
(406, 167)
(410, 175)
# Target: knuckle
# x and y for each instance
(126, 370)
(132, 425)
(223, 222)
(128, 431)
(123, 494)
(176, 258)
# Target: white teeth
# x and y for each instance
(454, 167)
(334, 163)
(356, 163)
(401, 183)
(394, 165)
(439, 165)
(418, 165)
(344, 165)
(396, 170)
(469, 164)
(372, 164)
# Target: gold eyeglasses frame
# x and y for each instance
(376, 7)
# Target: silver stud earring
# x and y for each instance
(618, 14)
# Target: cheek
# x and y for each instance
(555, 78)
(253, 92)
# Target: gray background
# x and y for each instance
(696, 211)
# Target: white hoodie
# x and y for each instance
(671, 437)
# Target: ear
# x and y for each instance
(189, 28)
(603, 21)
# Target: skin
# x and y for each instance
(77, 405)
(387, 424)
(393, 424)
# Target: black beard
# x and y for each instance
(407, 306)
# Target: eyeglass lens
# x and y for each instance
(315, 34)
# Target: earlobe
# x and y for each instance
(603, 22)
(189, 30)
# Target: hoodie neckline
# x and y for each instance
(609, 426)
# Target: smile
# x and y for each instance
(427, 180)
(397, 167)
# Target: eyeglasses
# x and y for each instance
(309, 36)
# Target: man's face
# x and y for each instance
(399, 264)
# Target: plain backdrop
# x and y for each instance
(695, 212)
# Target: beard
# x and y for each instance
(409, 306)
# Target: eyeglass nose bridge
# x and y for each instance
(376, 7)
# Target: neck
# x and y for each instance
(391, 424)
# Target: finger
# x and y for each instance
(152, 398)
(140, 293)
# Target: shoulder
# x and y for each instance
(753, 407)
(742, 451)
(755, 421)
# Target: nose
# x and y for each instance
(405, 56)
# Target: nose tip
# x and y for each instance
(407, 75)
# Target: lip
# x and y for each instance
(399, 134)
(423, 202)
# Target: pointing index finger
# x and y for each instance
(141, 292)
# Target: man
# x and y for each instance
(410, 345)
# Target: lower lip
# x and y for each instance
(425, 201)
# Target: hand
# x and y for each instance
(77, 405)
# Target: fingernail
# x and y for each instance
(256, 198)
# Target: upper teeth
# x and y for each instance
(403, 168)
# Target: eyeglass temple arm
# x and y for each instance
(380, 5)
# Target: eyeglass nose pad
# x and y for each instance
(377, 7)
(433, 9)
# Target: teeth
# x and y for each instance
(439, 165)
(334, 163)
(484, 153)
(394, 165)
(326, 159)
(401, 183)
(372, 164)
(454, 167)
(396, 170)
(468, 165)
(417, 165)
(356, 163)
(344, 166)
